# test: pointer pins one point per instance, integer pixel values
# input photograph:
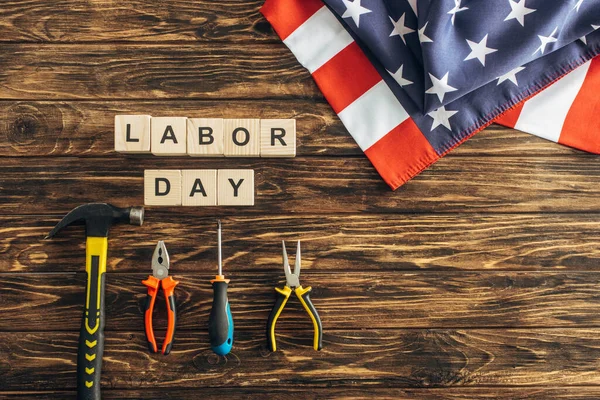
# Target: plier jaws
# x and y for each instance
(283, 294)
(160, 261)
(292, 279)
(160, 278)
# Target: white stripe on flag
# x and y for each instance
(544, 114)
(318, 39)
(373, 115)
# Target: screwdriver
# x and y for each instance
(220, 323)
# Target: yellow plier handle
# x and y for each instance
(303, 295)
(282, 297)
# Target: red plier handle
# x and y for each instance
(168, 285)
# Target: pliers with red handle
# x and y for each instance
(160, 277)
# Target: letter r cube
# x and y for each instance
(277, 137)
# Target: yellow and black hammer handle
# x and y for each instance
(91, 336)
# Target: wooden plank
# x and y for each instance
(345, 392)
(85, 128)
(396, 358)
(342, 185)
(134, 21)
(152, 71)
(519, 242)
(368, 300)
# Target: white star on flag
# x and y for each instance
(400, 29)
(510, 76)
(440, 86)
(519, 11)
(441, 116)
(422, 36)
(413, 5)
(354, 10)
(457, 8)
(578, 5)
(545, 40)
(479, 50)
(399, 78)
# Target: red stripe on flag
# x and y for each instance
(509, 118)
(287, 15)
(582, 125)
(401, 154)
(346, 77)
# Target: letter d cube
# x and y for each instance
(162, 187)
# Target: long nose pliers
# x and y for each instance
(293, 284)
(160, 277)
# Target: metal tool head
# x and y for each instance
(98, 218)
(293, 279)
(160, 261)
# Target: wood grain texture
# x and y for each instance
(396, 358)
(354, 392)
(342, 185)
(41, 302)
(344, 243)
(478, 280)
(134, 21)
(153, 71)
(85, 128)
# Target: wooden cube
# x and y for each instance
(241, 137)
(278, 138)
(235, 187)
(132, 133)
(168, 136)
(199, 187)
(162, 187)
(205, 137)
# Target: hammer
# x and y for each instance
(97, 218)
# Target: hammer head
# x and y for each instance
(98, 218)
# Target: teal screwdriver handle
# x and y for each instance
(220, 322)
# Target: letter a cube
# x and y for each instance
(168, 136)
(199, 187)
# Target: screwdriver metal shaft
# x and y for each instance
(220, 253)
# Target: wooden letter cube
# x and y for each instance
(236, 187)
(132, 133)
(241, 137)
(162, 187)
(199, 187)
(169, 135)
(205, 137)
(277, 137)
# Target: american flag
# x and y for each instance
(413, 79)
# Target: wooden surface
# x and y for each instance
(477, 280)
